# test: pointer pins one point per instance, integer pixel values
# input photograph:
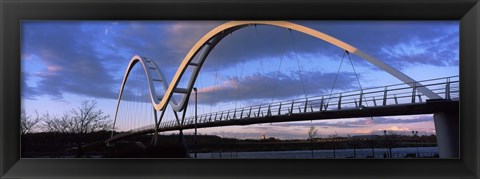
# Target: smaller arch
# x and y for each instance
(136, 59)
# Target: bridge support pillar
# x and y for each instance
(447, 129)
(183, 143)
(155, 139)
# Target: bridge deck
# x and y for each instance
(398, 99)
(428, 107)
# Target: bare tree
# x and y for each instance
(87, 119)
(57, 124)
(391, 141)
(372, 144)
(334, 137)
(354, 143)
(28, 123)
(82, 120)
(312, 134)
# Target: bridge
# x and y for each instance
(438, 96)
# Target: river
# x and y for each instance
(423, 152)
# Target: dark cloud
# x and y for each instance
(425, 51)
(27, 91)
(395, 43)
(90, 58)
(261, 42)
(438, 39)
(400, 44)
(167, 43)
(69, 55)
(281, 85)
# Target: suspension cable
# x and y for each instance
(298, 63)
(215, 84)
(335, 80)
(143, 99)
(358, 80)
(238, 85)
(137, 97)
(135, 92)
(241, 75)
(277, 74)
(201, 85)
(261, 59)
(356, 76)
(354, 71)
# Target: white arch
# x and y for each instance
(208, 42)
(160, 78)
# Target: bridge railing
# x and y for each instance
(446, 88)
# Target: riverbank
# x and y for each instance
(378, 153)
(56, 145)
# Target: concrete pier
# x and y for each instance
(447, 129)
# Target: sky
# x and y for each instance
(65, 62)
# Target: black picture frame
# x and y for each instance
(12, 12)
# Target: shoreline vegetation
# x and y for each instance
(82, 131)
(65, 145)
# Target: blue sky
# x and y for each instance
(64, 62)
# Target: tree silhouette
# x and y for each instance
(56, 124)
(312, 133)
(353, 143)
(391, 140)
(28, 123)
(81, 120)
(333, 138)
(372, 144)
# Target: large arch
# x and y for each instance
(208, 42)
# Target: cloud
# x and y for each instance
(165, 42)
(27, 92)
(438, 42)
(442, 51)
(399, 43)
(340, 126)
(282, 85)
(69, 54)
(256, 131)
(395, 128)
(89, 58)
(360, 123)
(393, 120)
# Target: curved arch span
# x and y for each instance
(208, 42)
(147, 69)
